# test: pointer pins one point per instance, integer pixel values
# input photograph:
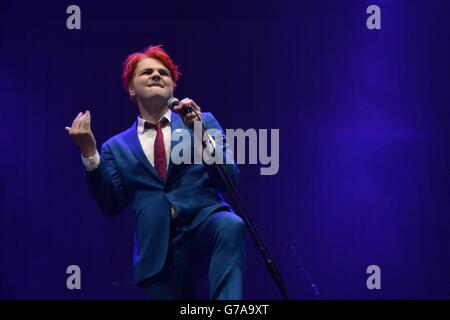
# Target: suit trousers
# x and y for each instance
(215, 246)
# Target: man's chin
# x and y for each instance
(154, 101)
(156, 98)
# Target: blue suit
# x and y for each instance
(125, 176)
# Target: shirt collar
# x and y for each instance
(141, 122)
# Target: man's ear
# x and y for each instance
(131, 91)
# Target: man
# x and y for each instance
(182, 223)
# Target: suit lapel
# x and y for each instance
(131, 138)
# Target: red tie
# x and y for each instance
(159, 151)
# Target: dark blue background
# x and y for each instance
(364, 138)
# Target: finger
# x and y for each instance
(67, 129)
(192, 115)
(188, 115)
(181, 109)
(87, 121)
(77, 117)
(190, 118)
(189, 102)
(79, 122)
(195, 115)
(195, 106)
(185, 103)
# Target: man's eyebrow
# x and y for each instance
(151, 69)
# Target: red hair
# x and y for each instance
(155, 52)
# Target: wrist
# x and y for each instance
(89, 153)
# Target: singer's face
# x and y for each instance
(151, 81)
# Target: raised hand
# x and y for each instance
(81, 134)
(188, 118)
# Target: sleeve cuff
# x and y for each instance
(91, 163)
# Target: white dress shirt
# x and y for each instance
(147, 138)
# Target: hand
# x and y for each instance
(189, 118)
(81, 134)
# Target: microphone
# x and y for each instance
(173, 102)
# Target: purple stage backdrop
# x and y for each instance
(363, 117)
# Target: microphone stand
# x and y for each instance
(243, 212)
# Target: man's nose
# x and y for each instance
(155, 75)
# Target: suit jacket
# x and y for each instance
(125, 176)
